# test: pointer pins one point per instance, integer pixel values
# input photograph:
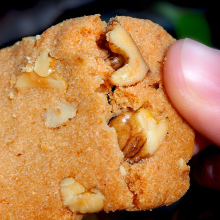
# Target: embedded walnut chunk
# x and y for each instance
(120, 42)
(123, 171)
(33, 80)
(153, 131)
(41, 76)
(60, 114)
(123, 128)
(116, 61)
(42, 64)
(80, 200)
(183, 166)
(139, 134)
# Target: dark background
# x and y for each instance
(193, 19)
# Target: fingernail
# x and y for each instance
(201, 71)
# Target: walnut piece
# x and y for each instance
(60, 114)
(123, 171)
(183, 166)
(120, 42)
(41, 76)
(139, 134)
(42, 64)
(33, 80)
(116, 61)
(78, 199)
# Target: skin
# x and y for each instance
(192, 82)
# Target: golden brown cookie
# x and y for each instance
(85, 122)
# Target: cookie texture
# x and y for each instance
(65, 152)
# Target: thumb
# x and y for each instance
(192, 81)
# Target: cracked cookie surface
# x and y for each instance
(59, 152)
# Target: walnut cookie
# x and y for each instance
(86, 124)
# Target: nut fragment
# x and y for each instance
(122, 127)
(139, 134)
(33, 80)
(42, 76)
(78, 199)
(116, 61)
(42, 64)
(120, 42)
(183, 166)
(123, 171)
(60, 114)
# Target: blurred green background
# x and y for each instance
(187, 22)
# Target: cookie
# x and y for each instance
(86, 124)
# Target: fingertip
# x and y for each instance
(171, 67)
(192, 82)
